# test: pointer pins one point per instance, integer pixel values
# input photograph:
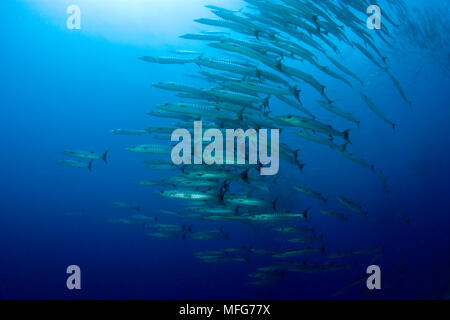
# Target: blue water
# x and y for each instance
(66, 89)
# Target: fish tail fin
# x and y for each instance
(104, 156)
(183, 236)
(372, 167)
(240, 113)
(358, 124)
(221, 229)
(274, 204)
(393, 126)
(279, 65)
(323, 250)
(297, 92)
(90, 165)
(266, 102)
(258, 74)
(244, 175)
(299, 164)
(347, 135)
(305, 213)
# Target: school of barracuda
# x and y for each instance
(260, 54)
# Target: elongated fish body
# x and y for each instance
(150, 148)
(259, 87)
(339, 112)
(282, 216)
(203, 37)
(301, 229)
(168, 235)
(335, 75)
(352, 206)
(368, 55)
(399, 88)
(244, 200)
(310, 124)
(315, 138)
(210, 174)
(204, 110)
(228, 66)
(248, 52)
(212, 210)
(345, 69)
(311, 193)
(170, 227)
(336, 215)
(263, 48)
(357, 160)
(296, 253)
(307, 239)
(75, 164)
(196, 183)
(166, 60)
(186, 52)
(172, 86)
(229, 25)
(89, 155)
(233, 96)
(187, 194)
(372, 106)
(297, 105)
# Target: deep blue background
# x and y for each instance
(63, 89)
